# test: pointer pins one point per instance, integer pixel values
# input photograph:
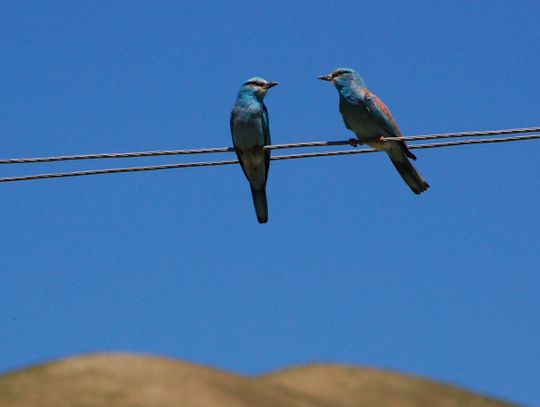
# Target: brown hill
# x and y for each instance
(123, 380)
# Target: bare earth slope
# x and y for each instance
(125, 380)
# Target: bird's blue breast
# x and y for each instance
(247, 126)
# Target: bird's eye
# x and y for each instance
(255, 83)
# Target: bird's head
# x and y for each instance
(342, 77)
(257, 86)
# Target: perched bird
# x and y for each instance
(250, 133)
(367, 116)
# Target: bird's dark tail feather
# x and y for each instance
(407, 171)
(261, 206)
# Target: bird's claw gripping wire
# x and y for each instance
(354, 142)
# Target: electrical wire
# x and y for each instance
(275, 158)
(270, 147)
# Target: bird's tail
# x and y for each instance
(407, 171)
(261, 206)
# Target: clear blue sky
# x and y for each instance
(352, 267)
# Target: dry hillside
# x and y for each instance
(122, 380)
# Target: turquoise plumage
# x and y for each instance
(369, 118)
(250, 130)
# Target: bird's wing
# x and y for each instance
(267, 140)
(381, 114)
(233, 116)
(265, 125)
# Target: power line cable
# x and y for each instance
(271, 147)
(422, 137)
(275, 158)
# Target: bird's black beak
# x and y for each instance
(325, 78)
(269, 85)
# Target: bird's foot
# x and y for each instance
(354, 142)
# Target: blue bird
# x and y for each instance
(250, 131)
(368, 117)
